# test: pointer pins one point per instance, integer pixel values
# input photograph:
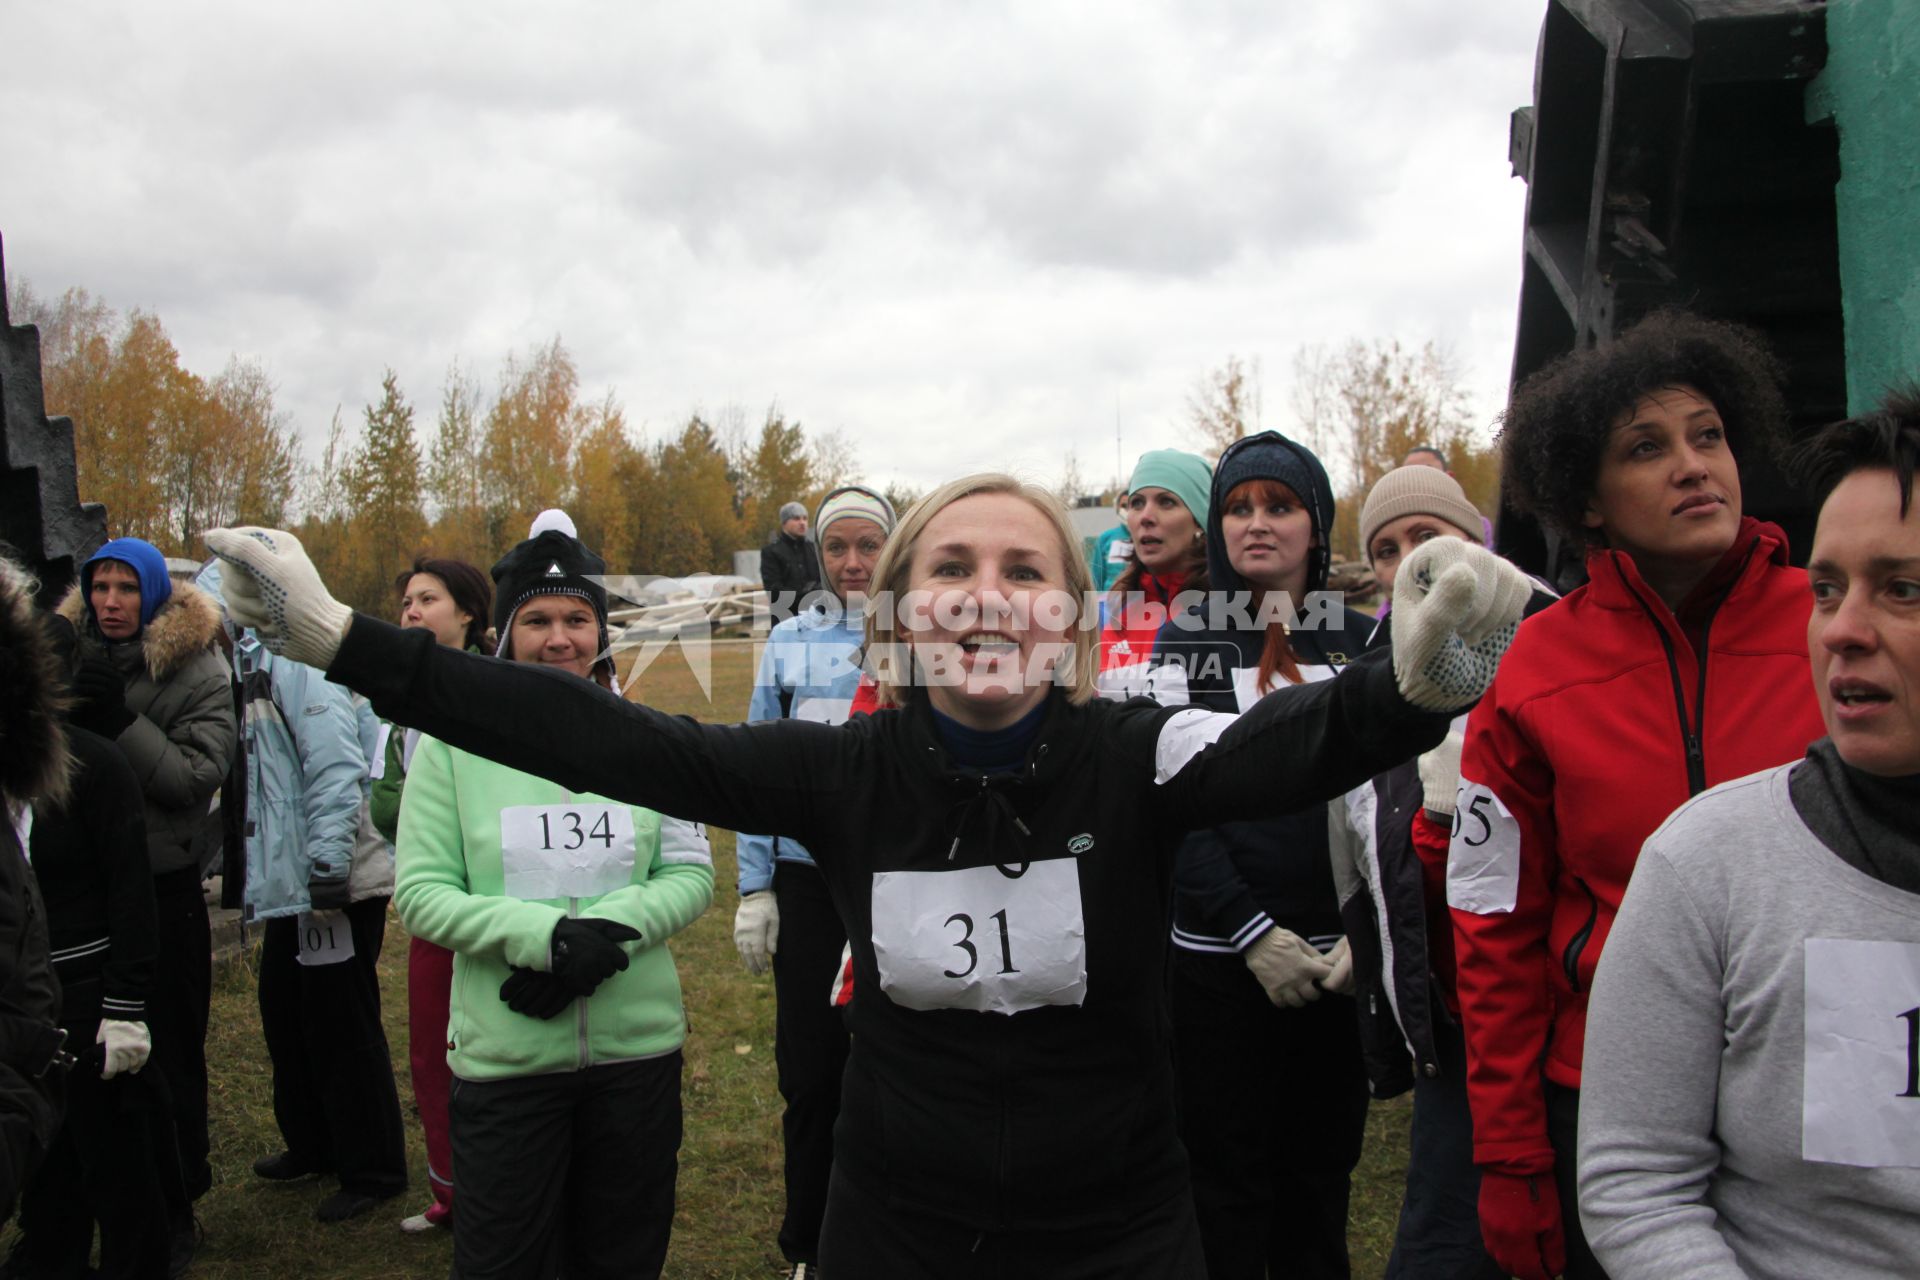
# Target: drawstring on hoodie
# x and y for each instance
(999, 810)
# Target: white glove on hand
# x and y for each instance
(1287, 966)
(1440, 775)
(1455, 609)
(1340, 981)
(756, 930)
(271, 586)
(128, 1046)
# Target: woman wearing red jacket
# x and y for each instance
(1680, 664)
(1167, 498)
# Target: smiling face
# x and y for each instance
(988, 608)
(1668, 492)
(1864, 635)
(115, 597)
(557, 631)
(1165, 534)
(426, 603)
(849, 548)
(1268, 533)
(1396, 539)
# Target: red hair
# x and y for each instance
(1276, 654)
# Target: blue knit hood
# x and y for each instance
(148, 565)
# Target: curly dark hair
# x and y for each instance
(1887, 439)
(1555, 430)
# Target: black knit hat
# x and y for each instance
(550, 563)
(1271, 456)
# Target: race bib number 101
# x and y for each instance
(566, 850)
(326, 937)
(992, 939)
(1861, 1090)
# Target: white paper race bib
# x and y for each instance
(1860, 1097)
(991, 939)
(325, 938)
(1483, 858)
(566, 850)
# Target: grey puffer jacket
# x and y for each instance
(183, 733)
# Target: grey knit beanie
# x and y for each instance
(1416, 490)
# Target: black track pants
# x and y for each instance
(809, 1047)
(333, 1090)
(569, 1174)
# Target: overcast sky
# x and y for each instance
(963, 234)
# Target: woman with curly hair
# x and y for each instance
(1682, 663)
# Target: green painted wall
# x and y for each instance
(1871, 91)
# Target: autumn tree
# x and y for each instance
(609, 485)
(1363, 405)
(382, 486)
(779, 470)
(1224, 405)
(692, 497)
(455, 486)
(168, 452)
(526, 439)
(1072, 484)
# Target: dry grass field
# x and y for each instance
(729, 1193)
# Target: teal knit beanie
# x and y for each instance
(1187, 476)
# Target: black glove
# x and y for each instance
(328, 895)
(538, 995)
(100, 697)
(586, 952)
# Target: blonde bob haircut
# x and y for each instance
(1077, 675)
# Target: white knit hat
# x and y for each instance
(853, 501)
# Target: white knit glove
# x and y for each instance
(1340, 981)
(1440, 774)
(271, 586)
(1455, 609)
(1288, 966)
(756, 930)
(128, 1046)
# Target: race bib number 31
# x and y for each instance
(991, 939)
(566, 850)
(1861, 1091)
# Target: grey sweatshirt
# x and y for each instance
(1730, 1125)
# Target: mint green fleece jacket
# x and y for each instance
(451, 889)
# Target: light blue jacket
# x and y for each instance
(808, 671)
(307, 747)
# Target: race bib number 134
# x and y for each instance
(566, 850)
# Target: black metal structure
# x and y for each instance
(41, 515)
(1668, 160)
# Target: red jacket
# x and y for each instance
(1592, 733)
(1127, 640)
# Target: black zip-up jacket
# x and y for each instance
(1236, 880)
(1384, 912)
(1043, 892)
(791, 564)
(90, 857)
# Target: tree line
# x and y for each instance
(171, 453)
(1360, 405)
